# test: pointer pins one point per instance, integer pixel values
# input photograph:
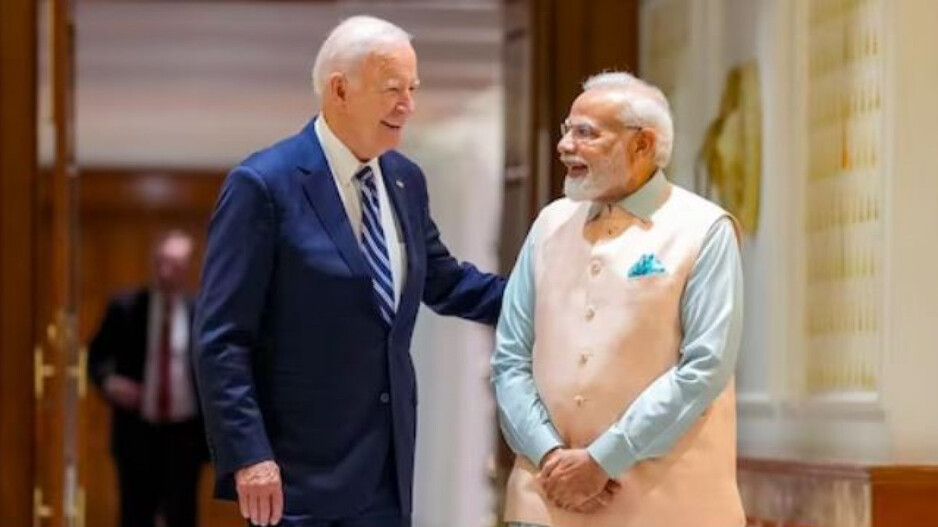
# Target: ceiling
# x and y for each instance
(204, 83)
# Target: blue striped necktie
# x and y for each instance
(374, 245)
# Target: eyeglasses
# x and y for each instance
(584, 132)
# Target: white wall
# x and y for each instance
(463, 159)
(774, 419)
(911, 385)
(897, 424)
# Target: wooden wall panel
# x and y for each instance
(122, 213)
(17, 324)
(904, 495)
(817, 494)
(573, 40)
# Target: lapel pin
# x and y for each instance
(399, 183)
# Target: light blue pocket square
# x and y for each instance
(647, 265)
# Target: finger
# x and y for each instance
(255, 509)
(556, 494)
(558, 487)
(603, 498)
(564, 498)
(589, 506)
(244, 504)
(276, 511)
(550, 490)
(569, 504)
(263, 506)
(550, 485)
(550, 466)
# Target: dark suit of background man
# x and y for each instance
(140, 359)
(320, 250)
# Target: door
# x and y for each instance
(59, 369)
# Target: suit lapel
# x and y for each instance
(320, 190)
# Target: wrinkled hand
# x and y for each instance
(573, 480)
(122, 391)
(601, 500)
(260, 493)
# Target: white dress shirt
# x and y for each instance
(182, 404)
(344, 165)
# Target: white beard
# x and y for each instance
(597, 181)
(585, 188)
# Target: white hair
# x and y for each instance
(644, 105)
(350, 42)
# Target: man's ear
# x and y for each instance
(644, 144)
(338, 86)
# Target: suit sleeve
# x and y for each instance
(235, 277)
(102, 347)
(453, 287)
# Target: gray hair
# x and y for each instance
(350, 42)
(644, 105)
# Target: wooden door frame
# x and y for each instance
(18, 173)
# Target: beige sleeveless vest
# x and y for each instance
(601, 338)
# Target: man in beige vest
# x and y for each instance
(619, 334)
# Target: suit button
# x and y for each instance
(385, 397)
(595, 267)
(590, 312)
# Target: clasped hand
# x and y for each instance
(573, 480)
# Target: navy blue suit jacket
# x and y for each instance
(294, 362)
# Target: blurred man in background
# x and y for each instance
(140, 360)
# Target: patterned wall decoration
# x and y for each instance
(729, 168)
(844, 196)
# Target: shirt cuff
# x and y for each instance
(613, 452)
(542, 440)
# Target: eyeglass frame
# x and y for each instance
(591, 134)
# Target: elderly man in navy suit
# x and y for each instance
(320, 250)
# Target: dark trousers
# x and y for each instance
(160, 474)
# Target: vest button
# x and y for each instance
(385, 397)
(595, 267)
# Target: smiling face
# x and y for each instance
(593, 147)
(374, 103)
(606, 159)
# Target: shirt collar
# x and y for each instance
(342, 161)
(642, 203)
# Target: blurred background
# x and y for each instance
(811, 120)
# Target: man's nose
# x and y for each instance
(407, 104)
(566, 145)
